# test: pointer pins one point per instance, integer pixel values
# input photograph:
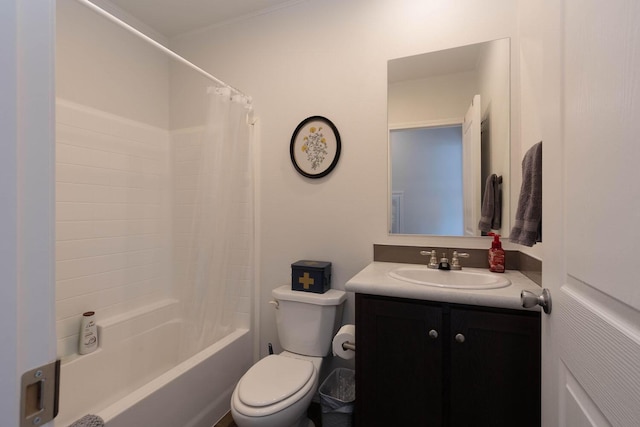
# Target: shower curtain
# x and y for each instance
(219, 271)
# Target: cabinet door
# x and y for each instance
(398, 364)
(495, 370)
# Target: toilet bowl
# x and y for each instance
(276, 392)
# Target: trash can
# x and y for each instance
(337, 398)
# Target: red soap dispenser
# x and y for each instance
(496, 255)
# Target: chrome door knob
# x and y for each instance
(529, 299)
(433, 334)
(460, 338)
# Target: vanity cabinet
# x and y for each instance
(422, 363)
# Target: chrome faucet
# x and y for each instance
(455, 259)
(433, 260)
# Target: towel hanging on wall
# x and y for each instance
(491, 212)
(527, 229)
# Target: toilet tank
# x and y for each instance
(307, 321)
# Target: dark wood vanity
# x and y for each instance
(423, 363)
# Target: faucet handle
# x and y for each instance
(433, 260)
(455, 259)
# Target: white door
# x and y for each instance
(591, 226)
(471, 168)
(27, 326)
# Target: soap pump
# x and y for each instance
(496, 255)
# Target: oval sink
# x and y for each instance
(456, 279)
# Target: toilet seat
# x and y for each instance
(273, 384)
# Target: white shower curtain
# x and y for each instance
(219, 271)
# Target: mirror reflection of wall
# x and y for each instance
(432, 92)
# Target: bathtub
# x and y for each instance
(134, 378)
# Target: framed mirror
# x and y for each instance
(449, 139)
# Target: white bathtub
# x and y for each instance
(133, 379)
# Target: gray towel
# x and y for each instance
(491, 213)
(89, 421)
(527, 229)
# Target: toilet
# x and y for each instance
(277, 390)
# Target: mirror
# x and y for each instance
(449, 124)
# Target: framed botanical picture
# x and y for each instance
(315, 147)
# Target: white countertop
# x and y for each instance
(374, 279)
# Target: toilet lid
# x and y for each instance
(273, 379)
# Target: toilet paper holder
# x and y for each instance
(349, 346)
(344, 342)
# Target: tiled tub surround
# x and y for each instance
(112, 217)
(124, 197)
(136, 376)
(124, 194)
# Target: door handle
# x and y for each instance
(529, 299)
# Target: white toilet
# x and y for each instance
(276, 391)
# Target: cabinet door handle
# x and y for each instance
(460, 338)
(433, 334)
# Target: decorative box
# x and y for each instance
(311, 276)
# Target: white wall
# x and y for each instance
(26, 188)
(330, 58)
(443, 97)
(10, 369)
(102, 66)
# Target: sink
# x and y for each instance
(455, 279)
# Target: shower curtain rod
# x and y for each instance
(159, 46)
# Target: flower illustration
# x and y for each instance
(315, 146)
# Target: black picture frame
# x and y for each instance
(315, 147)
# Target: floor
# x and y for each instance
(313, 413)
